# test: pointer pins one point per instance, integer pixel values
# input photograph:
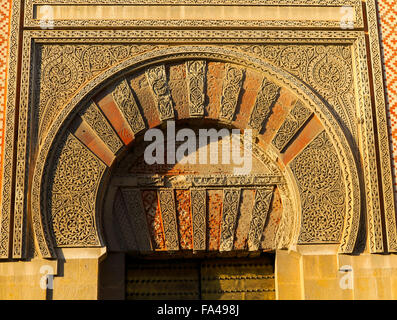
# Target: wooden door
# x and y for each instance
(229, 279)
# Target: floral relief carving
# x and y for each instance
(134, 204)
(168, 215)
(183, 209)
(317, 170)
(231, 203)
(126, 102)
(263, 198)
(153, 216)
(72, 205)
(267, 181)
(199, 208)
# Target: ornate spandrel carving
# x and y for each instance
(67, 67)
(168, 215)
(232, 85)
(327, 68)
(196, 77)
(157, 79)
(295, 120)
(323, 196)
(231, 202)
(101, 126)
(260, 211)
(71, 206)
(199, 208)
(267, 96)
(133, 202)
(125, 100)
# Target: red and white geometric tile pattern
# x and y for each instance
(5, 10)
(388, 18)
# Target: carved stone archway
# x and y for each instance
(295, 129)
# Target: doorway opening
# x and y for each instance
(201, 278)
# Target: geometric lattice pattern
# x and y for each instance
(388, 17)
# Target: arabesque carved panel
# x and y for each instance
(322, 190)
(71, 207)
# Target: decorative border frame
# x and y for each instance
(30, 22)
(381, 210)
(346, 157)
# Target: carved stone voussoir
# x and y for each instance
(71, 206)
(267, 96)
(196, 77)
(295, 120)
(322, 188)
(72, 64)
(157, 79)
(231, 203)
(126, 102)
(198, 207)
(101, 126)
(168, 214)
(232, 85)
